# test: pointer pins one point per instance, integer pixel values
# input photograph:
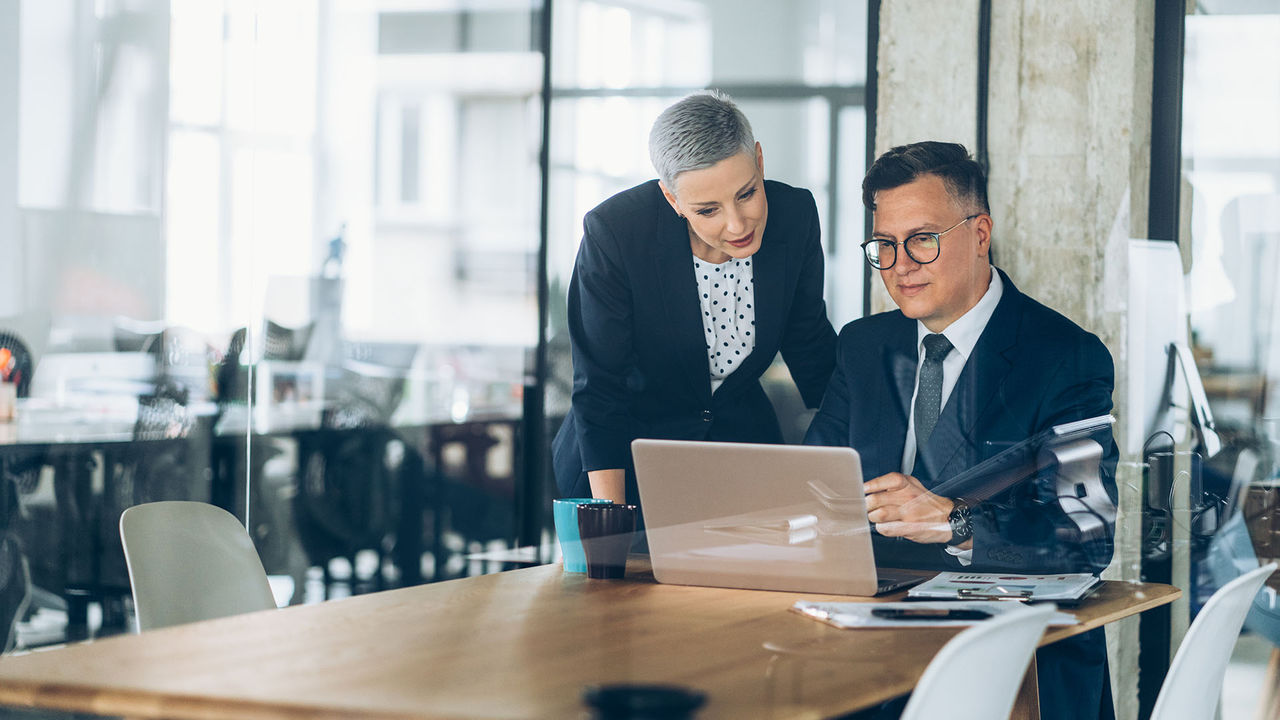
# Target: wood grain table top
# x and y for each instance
(520, 644)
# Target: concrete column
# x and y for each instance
(928, 72)
(1069, 149)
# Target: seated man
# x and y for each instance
(966, 366)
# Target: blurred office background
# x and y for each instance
(1229, 231)
(307, 259)
(286, 256)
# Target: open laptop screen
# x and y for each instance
(765, 517)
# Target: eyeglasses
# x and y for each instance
(923, 248)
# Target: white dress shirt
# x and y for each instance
(963, 335)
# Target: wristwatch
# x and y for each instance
(961, 522)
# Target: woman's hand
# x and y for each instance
(609, 484)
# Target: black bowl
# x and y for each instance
(643, 702)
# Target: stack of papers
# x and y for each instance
(1003, 586)
(852, 615)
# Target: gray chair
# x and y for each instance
(190, 561)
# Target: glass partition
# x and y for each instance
(1231, 180)
(282, 257)
(277, 256)
(797, 72)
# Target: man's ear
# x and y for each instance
(671, 198)
(983, 225)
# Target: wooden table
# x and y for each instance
(517, 644)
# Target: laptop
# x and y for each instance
(759, 517)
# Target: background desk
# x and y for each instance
(341, 497)
(516, 644)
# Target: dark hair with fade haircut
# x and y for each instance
(963, 177)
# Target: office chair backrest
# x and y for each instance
(190, 561)
(984, 665)
(15, 589)
(18, 365)
(130, 335)
(1194, 682)
(285, 343)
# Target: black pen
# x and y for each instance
(929, 614)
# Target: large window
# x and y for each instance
(798, 72)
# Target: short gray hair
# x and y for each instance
(697, 132)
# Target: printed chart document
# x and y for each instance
(1066, 587)
(870, 615)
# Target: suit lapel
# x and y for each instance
(979, 383)
(673, 264)
(769, 279)
(900, 360)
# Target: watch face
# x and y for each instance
(961, 526)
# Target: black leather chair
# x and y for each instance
(273, 526)
(15, 589)
(19, 474)
(20, 365)
(285, 343)
(130, 335)
(348, 494)
(24, 471)
(476, 498)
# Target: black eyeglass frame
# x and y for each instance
(937, 239)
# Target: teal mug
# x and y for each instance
(565, 512)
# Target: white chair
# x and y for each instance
(1194, 682)
(190, 561)
(1002, 647)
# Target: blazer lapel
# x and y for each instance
(993, 355)
(769, 274)
(978, 384)
(769, 280)
(900, 360)
(673, 264)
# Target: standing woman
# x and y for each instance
(681, 298)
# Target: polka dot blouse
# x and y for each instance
(728, 301)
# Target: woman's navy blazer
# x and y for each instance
(640, 364)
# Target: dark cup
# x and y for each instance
(606, 532)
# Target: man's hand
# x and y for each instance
(901, 507)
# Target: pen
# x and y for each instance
(929, 614)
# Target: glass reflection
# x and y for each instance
(1220, 509)
(273, 256)
(280, 257)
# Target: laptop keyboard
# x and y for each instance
(889, 580)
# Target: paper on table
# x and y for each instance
(1008, 586)
(854, 615)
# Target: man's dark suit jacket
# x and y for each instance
(640, 364)
(1031, 369)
